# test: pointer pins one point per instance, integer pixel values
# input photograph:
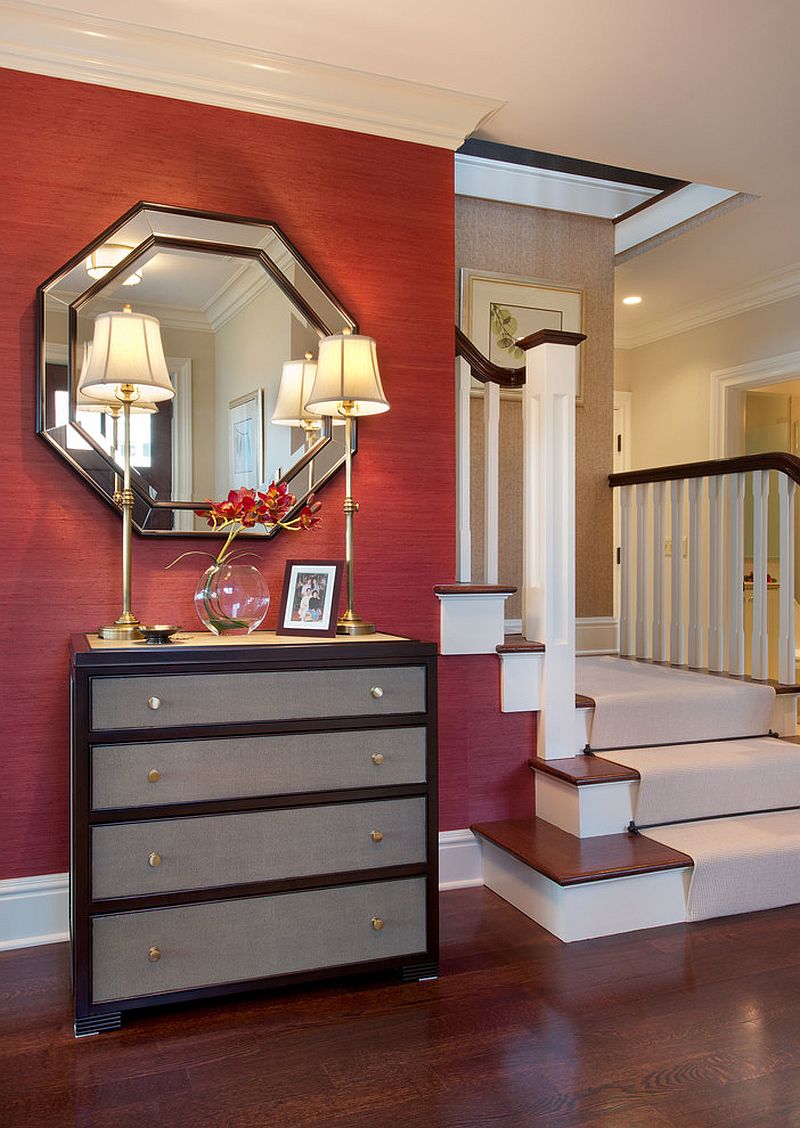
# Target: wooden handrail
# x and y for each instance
(779, 460)
(483, 369)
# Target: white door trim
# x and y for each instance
(180, 369)
(728, 387)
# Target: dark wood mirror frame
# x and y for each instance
(98, 468)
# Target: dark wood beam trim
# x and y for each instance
(676, 187)
(549, 337)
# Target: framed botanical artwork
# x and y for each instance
(246, 440)
(310, 597)
(496, 311)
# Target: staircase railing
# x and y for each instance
(548, 385)
(685, 588)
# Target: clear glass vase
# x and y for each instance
(231, 598)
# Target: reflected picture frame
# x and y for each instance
(246, 440)
(498, 308)
(310, 598)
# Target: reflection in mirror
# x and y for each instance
(240, 316)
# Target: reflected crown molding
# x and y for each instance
(106, 52)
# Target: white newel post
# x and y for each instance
(464, 550)
(548, 592)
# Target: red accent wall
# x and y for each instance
(375, 218)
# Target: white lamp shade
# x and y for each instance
(111, 404)
(297, 380)
(126, 349)
(347, 372)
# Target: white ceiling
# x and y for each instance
(703, 91)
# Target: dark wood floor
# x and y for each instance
(688, 1026)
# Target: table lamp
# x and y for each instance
(126, 364)
(348, 385)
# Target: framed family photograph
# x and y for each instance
(496, 311)
(310, 597)
(246, 440)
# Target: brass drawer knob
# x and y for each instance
(154, 775)
(376, 692)
(377, 923)
(154, 860)
(154, 955)
(377, 758)
(153, 702)
(376, 836)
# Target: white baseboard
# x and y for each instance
(599, 635)
(459, 860)
(35, 910)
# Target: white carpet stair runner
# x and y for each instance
(639, 703)
(714, 785)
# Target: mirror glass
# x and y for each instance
(234, 301)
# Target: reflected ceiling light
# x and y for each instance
(632, 299)
(104, 258)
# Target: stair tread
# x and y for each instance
(514, 644)
(568, 860)
(474, 589)
(584, 770)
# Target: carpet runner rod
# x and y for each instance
(588, 750)
(637, 828)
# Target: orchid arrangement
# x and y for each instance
(245, 508)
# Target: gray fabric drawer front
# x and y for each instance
(219, 850)
(234, 941)
(269, 695)
(237, 767)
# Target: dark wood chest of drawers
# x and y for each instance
(249, 814)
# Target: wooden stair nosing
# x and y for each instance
(516, 644)
(568, 860)
(582, 771)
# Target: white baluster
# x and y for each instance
(760, 652)
(625, 570)
(735, 574)
(659, 590)
(491, 480)
(463, 431)
(695, 572)
(642, 586)
(677, 645)
(786, 639)
(716, 637)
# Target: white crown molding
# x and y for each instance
(772, 288)
(107, 52)
(542, 188)
(664, 215)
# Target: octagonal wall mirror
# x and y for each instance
(234, 301)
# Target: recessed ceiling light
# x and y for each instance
(633, 299)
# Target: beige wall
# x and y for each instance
(575, 251)
(670, 379)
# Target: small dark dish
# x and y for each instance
(159, 634)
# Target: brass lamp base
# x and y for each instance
(352, 624)
(126, 629)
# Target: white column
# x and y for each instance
(548, 592)
(642, 585)
(695, 657)
(677, 646)
(760, 649)
(735, 574)
(463, 527)
(786, 640)
(491, 480)
(716, 636)
(659, 590)
(626, 625)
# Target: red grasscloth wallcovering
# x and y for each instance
(375, 218)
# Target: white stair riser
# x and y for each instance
(471, 623)
(596, 908)
(521, 682)
(599, 808)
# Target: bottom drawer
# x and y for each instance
(159, 950)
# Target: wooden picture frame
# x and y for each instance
(310, 598)
(497, 309)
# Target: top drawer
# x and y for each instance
(145, 701)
